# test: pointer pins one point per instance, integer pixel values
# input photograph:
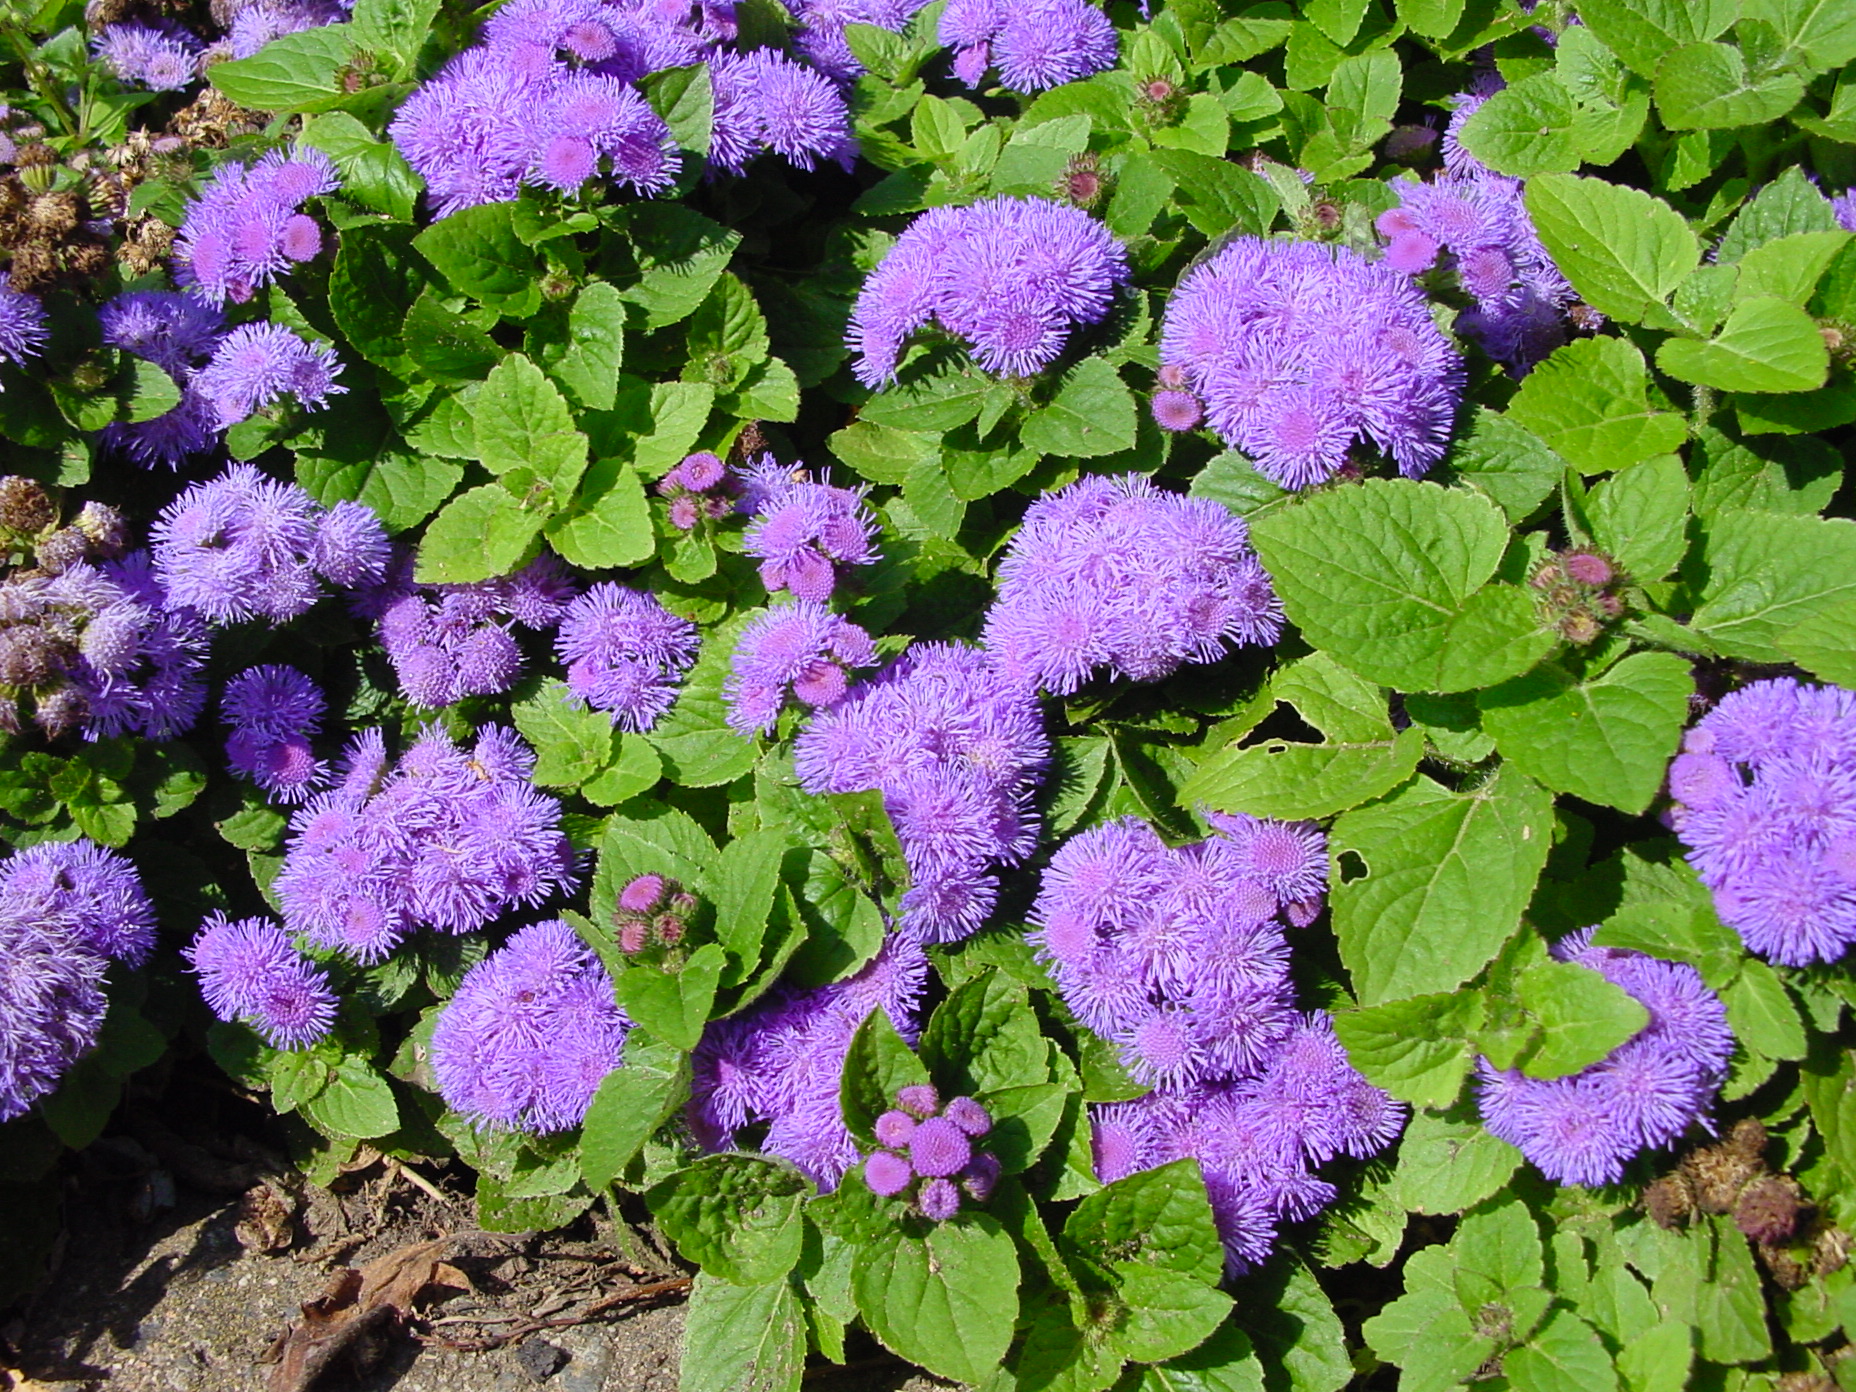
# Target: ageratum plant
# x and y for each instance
(1140, 695)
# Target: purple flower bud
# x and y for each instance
(1589, 568)
(894, 1128)
(968, 1115)
(1177, 410)
(939, 1200)
(981, 1176)
(642, 894)
(919, 1099)
(701, 472)
(887, 1174)
(939, 1147)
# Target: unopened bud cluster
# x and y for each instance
(1579, 592)
(700, 487)
(927, 1153)
(652, 912)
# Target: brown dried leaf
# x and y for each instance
(266, 1219)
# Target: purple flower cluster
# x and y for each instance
(1179, 958)
(254, 23)
(1113, 572)
(447, 642)
(1011, 276)
(256, 365)
(1765, 793)
(250, 970)
(957, 748)
(273, 711)
(1843, 208)
(245, 546)
(1296, 349)
(66, 908)
(178, 334)
(699, 487)
(246, 227)
(1479, 227)
(930, 1147)
(22, 323)
(764, 101)
(447, 838)
(1037, 45)
(625, 653)
(821, 42)
(652, 913)
(778, 1062)
(803, 529)
(162, 56)
(531, 1033)
(1583, 1129)
(802, 647)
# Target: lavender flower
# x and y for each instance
(51, 1008)
(764, 101)
(778, 1062)
(256, 365)
(1766, 805)
(804, 529)
(254, 23)
(530, 1034)
(1297, 349)
(245, 228)
(821, 38)
(590, 121)
(446, 838)
(178, 333)
(273, 711)
(625, 653)
(92, 894)
(1011, 276)
(1584, 1128)
(463, 131)
(1116, 573)
(802, 647)
(1843, 207)
(249, 970)
(162, 57)
(22, 323)
(1035, 46)
(699, 487)
(938, 1151)
(243, 546)
(957, 749)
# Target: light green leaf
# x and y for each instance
(1092, 414)
(674, 1005)
(608, 524)
(482, 533)
(1706, 86)
(1822, 646)
(1623, 250)
(1160, 1216)
(1589, 403)
(1499, 457)
(1446, 1166)
(946, 1300)
(985, 1037)
(1789, 268)
(680, 254)
(589, 365)
(523, 422)
(1766, 574)
(1659, 1358)
(1416, 1049)
(631, 1103)
(1766, 345)
(694, 737)
(1639, 517)
(357, 1104)
(735, 1216)
(571, 742)
(1427, 1334)
(743, 1338)
(1526, 128)
(1166, 1313)
(1564, 1355)
(1762, 1013)
(1582, 1017)
(294, 73)
(478, 251)
(1641, 32)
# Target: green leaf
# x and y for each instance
(1623, 250)
(1819, 35)
(81, 1106)
(1706, 86)
(1526, 128)
(1564, 1355)
(946, 1300)
(1582, 1017)
(1446, 1166)
(1642, 32)
(399, 26)
(1416, 1049)
(1389, 578)
(294, 73)
(478, 251)
(1688, 931)
(376, 280)
(685, 98)
(1589, 403)
(484, 532)
(1789, 268)
(1659, 1359)
(985, 1037)
(608, 524)
(747, 877)
(632, 1102)
(1432, 883)
(634, 768)
(154, 392)
(935, 393)
(1821, 644)
(1167, 1313)
(1510, 464)
(1767, 574)
(1788, 205)
(523, 422)
(680, 255)
(373, 172)
(1639, 517)
(588, 366)
(1498, 1253)
(403, 490)
(1762, 1013)
(1218, 195)
(743, 1338)
(877, 1066)
(698, 746)
(1766, 345)
(1226, 1362)
(500, 1211)
(674, 1005)
(571, 742)
(1607, 740)
(735, 1216)
(1293, 1325)
(357, 1104)
(1160, 1216)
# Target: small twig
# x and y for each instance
(629, 1296)
(419, 1181)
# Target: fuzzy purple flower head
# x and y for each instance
(249, 970)
(767, 103)
(1011, 276)
(246, 227)
(1297, 350)
(178, 333)
(51, 1007)
(273, 712)
(162, 57)
(804, 529)
(1643, 1095)
(1113, 572)
(22, 323)
(821, 40)
(931, 1151)
(1765, 793)
(625, 653)
(1034, 46)
(802, 648)
(93, 893)
(531, 1033)
(257, 365)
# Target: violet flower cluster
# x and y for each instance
(447, 838)
(1843, 208)
(927, 1153)
(652, 912)
(804, 528)
(1035, 45)
(250, 970)
(22, 323)
(1179, 958)
(1584, 1128)
(247, 226)
(258, 365)
(1113, 572)
(162, 56)
(245, 546)
(821, 42)
(273, 711)
(1297, 349)
(447, 642)
(530, 1034)
(764, 101)
(1010, 276)
(1475, 225)
(779, 1061)
(957, 749)
(1765, 794)
(626, 654)
(699, 487)
(66, 909)
(177, 333)
(251, 24)
(802, 648)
